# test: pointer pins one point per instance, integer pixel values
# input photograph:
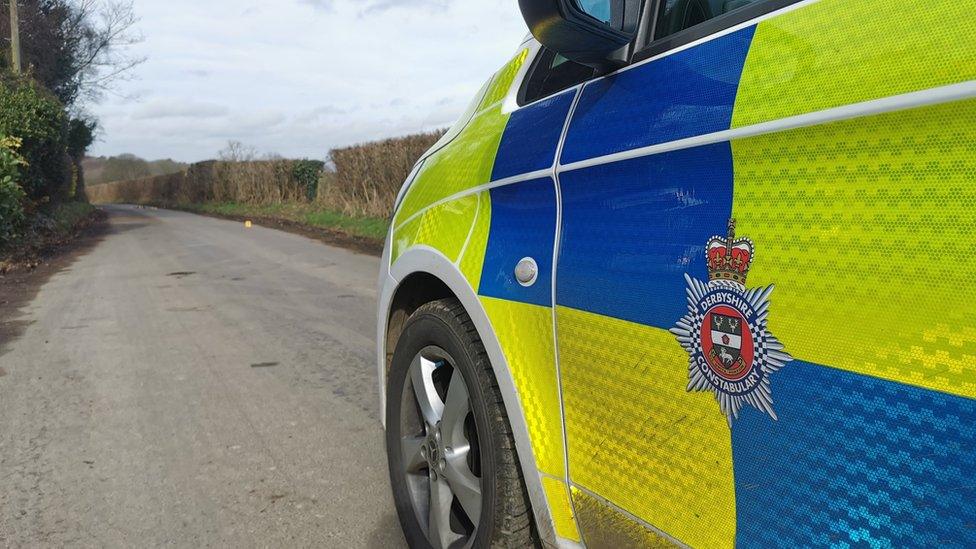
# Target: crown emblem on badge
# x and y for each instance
(729, 258)
(731, 352)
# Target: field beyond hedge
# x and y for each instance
(356, 198)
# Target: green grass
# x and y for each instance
(309, 214)
(371, 227)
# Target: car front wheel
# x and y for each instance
(453, 466)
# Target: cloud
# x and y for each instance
(325, 5)
(302, 77)
(376, 6)
(160, 109)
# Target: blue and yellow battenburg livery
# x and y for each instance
(841, 138)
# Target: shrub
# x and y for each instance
(368, 176)
(11, 194)
(306, 173)
(80, 136)
(256, 182)
(29, 112)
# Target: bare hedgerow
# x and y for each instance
(368, 176)
(364, 182)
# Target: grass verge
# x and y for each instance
(309, 214)
(361, 233)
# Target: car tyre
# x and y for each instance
(450, 444)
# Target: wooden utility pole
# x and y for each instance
(14, 37)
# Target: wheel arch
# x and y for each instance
(424, 274)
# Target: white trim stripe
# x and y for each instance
(555, 264)
(944, 94)
(538, 174)
(934, 96)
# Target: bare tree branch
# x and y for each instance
(79, 49)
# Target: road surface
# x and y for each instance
(190, 382)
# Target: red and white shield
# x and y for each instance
(727, 343)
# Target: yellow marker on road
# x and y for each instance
(247, 224)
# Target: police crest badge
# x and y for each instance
(731, 353)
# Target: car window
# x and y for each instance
(598, 9)
(552, 73)
(680, 22)
(678, 15)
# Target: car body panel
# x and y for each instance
(523, 224)
(469, 159)
(895, 258)
(842, 138)
(473, 259)
(531, 137)
(637, 437)
(832, 53)
(443, 227)
(690, 93)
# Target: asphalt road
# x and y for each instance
(190, 382)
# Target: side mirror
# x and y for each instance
(586, 31)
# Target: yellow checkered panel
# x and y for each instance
(838, 52)
(468, 160)
(444, 227)
(502, 81)
(866, 226)
(636, 436)
(524, 332)
(557, 494)
(473, 259)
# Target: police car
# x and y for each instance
(694, 273)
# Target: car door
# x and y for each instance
(515, 235)
(821, 148)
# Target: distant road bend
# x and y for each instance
(191, 382)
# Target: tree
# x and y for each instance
(78, 49)
(81, 134)
(237, 152)
(125, 167)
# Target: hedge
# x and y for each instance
(37, 118)
(11, 194)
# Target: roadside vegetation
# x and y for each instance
(71, 52)
(41, 183)
(104, 169)
(353, 193)
(311, 214)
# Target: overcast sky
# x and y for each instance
(298, 77)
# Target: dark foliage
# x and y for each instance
(31, 113)
(306, 173)
(75, 48)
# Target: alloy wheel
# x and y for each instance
(441, 454)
